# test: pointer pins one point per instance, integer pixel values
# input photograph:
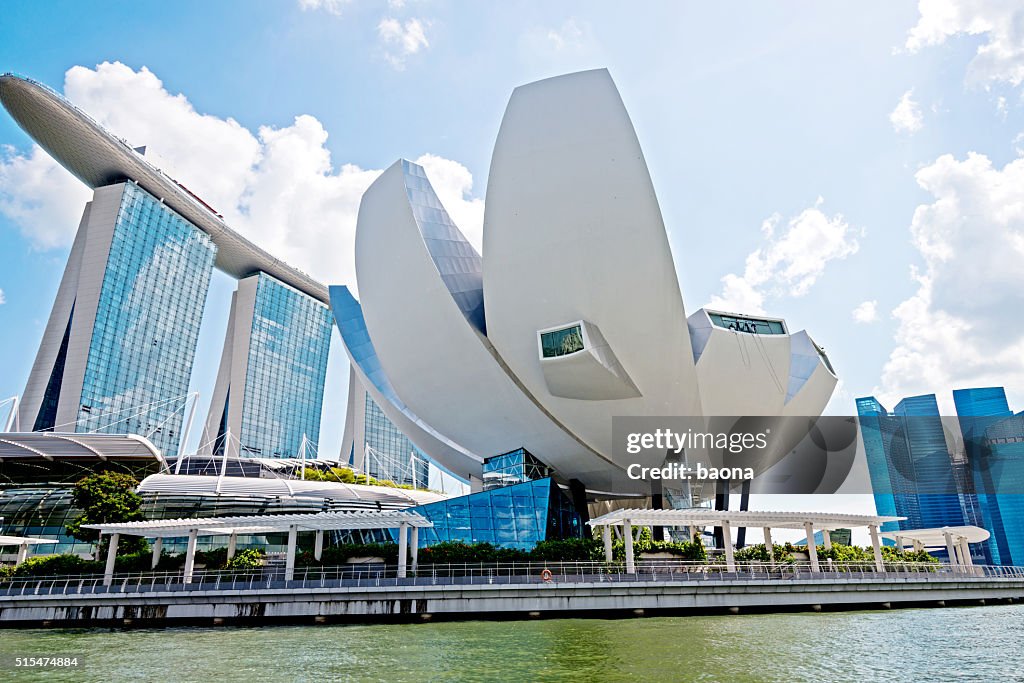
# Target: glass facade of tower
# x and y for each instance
(392, 455)
(287, 364)
(147, 323)
(916, 473)
(994, 447)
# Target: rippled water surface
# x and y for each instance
(980, 643)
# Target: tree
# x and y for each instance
(107, 497)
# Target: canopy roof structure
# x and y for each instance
(70, 446)
(25, 540)
(739, 518)
(203, 485)
(98, 158)
(264, 524)
(936, 537)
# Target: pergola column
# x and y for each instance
(918, 546)
(414, 547)
(876, 547)
(606, 536)
(694, 536)
(812, 548)
(22, 554)
(232, 544)
(950, 549)
(190, 555)
(318, 545)
(108, 573)
(730, 557)
(158, 546)
(627, 536)
(403, 548)
(965, 552)
(826, 539)
(768, 545)
(899, 543)
(289, 559)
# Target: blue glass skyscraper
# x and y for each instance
(119, 345)
(269, 390)
(994, 447)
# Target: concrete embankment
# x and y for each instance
(196, 605)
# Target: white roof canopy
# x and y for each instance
(24, 540)
(263, 524)
(937, 536)
(739, 518)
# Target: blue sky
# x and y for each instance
(774, 133)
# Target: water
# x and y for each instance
(980, 643)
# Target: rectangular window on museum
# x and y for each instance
(749, 325)
(561, 342)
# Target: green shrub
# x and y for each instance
(251, 558)
(568, 550)
(758, 553)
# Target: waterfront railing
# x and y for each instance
(482, 573)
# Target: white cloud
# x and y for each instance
(569, 36)
(866, 312)
(1001, 22)
(790, 264)
(906, 117)
(278, 187)
(329, 6)
(401, 40)
(963, 326)
(40, 197)
(3, 298)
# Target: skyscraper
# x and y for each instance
(269, 391)
(118, 349)
(919, 470)
(119, 345)
(994, 447)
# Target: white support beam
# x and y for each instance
(627, 536)
(414, 547)
(826, 539)
(318, 545)
(730, 557)
(918, 546)
(694, 535)
(876, 547)
(606, 536)
(289, 559)
(190, 555)
(108, 573)
(812, 548)
(403, 549)
(768, 545)
(950, 550)
(965, 552)
(899, 543)
(158, 547)
(22, 554)
(232, 544)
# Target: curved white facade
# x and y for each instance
(573, 231)
(573, 314)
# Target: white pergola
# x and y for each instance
(726, 519)
(23, 542)
(231, 527)
(955, 539)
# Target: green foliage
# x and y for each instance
(106, 497)
(345, 475)
(457, 552)
(251, 558)
(57, 565)
(568, 550)
(758, 553)
(340, 554)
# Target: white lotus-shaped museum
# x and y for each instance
(572, 315)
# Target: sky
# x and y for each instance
(857, 168)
